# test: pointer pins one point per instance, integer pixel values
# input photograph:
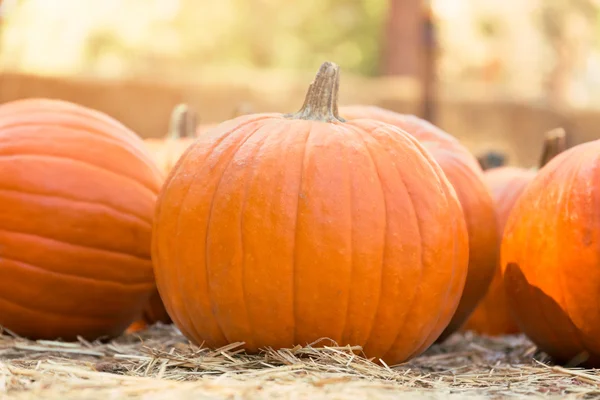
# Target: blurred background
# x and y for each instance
(495, 73)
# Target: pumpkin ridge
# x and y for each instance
(54, 313)
(85, 202)
(37, 206)
(251, 160)
(439, 173)
(417, 292)
(75, 160)
(231, 155)
(295, 262)
(77, 244)
(285, 141)
(92, 132)
(358, 133)
(351, 251)
(418, 226)
(133, 263)
(76, 277)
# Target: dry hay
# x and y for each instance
(159, 363)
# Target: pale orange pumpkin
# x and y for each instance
(277, 230)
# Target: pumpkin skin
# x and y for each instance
(550, 257)
(76, 205)
(277, 230)
(492, 316)
(464, 173)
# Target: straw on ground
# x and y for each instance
(160, 363)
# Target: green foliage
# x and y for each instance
(264, 33)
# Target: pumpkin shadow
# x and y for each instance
(545, 322)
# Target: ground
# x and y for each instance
(160, 364)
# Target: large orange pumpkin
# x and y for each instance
(465, 175)
(551, 256)
(277, 230)
(492, 316)
(77, 195)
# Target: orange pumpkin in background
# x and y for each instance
(77, 195)
(276, 230)
(464, 173)
(182, 132)
(550, 257)
(492, 316)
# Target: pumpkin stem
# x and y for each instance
(183, 122)
(320, 103)
(555, 142)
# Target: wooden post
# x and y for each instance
(401, 52)
(410, 48)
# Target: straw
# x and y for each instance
(161, 364)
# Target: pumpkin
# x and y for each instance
(464, 173)
(77, 195)
(182, 128)
(277, 230)
(492, 316)
(550, 256)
